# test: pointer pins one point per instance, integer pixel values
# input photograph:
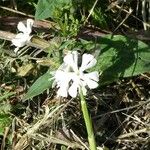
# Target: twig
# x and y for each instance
(35, 41)
(4, 138)
(145, 130)
(79, 139)
(6, 35)
(130, 11)
(144, 75)
(119, 110)
(91, 11)
(45, 121)
(16, 11)
(132, 15)
(136, 119)
(52, 139)
(23, 142)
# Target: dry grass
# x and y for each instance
(120, 111)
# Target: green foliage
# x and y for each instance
(69, 26)
(5, 109)
(119, 56)
(6, 95)
(41, 84)
(32, 2)
(5, 121)
(51, 8)
(99, 18)
(62, 12)
(122, 57)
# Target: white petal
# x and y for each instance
(62, 80)
(59, 75)
(75, 57)
(21, 39)
(73, 89)
(64, 67)
(62, 76)
(62, 92)
(21, 27)
(19, 36)
(25, 29)
(88, 61)
(18, 43)
(68, 58)
(93, 75)
(29, 25)
(71, 59)
(91, 79)
(92, 84)
(63, 86)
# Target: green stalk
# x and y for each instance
(88, 122)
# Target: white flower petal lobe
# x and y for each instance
(88, 61)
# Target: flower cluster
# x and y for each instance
(70, 78)
(23, 37)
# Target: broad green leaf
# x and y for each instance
(40, 85)
(121, 56)
(51, 8)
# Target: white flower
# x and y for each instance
(23, 37)
(70, 78)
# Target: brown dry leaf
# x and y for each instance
(25, 70)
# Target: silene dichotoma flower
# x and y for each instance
(23, 37)
(70, 78)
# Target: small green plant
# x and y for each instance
(62, 12)
(5, 109)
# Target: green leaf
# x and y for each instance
(5, 121)
(40, 85)
(6, 95)
(121, 56)
(51, 8)
(5, 108)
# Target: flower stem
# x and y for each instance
(88, 122)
